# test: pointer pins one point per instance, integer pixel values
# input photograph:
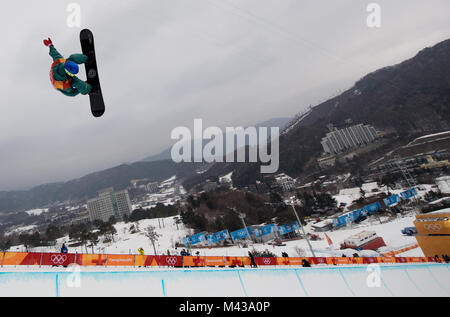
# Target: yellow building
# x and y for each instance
(431, 163)
(433, 234)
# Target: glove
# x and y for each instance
(48, 42)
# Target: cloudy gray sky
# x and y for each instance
(163, 63)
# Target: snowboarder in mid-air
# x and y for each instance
(63, 72)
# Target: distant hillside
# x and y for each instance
(274, 122)
(86, 187)
(157, 168)
(411, 98)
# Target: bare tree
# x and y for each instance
(153, 236)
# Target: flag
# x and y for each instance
(330, 243)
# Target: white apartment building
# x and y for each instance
(338, 141)
(285, 182)
(108, 204)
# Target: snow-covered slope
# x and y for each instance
(126, 243)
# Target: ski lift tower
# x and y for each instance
(292, 201)
(242, 216)
(405, 172)
(408, 177)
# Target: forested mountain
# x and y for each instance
(410, 99)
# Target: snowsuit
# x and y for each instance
(69, 86)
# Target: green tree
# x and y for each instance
(52, 233)
(5, 243)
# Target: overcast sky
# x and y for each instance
(163, 63)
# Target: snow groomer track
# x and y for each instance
(374, 280)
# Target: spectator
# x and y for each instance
(284, 255)
(305, 263)
(252, 259)
(183, 252)
(446, 258)
(64, 249)
(141, 251)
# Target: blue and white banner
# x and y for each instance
(288, 228)
(218, 236)
(350, 217)
(241, 233)
(373, 207)
(391, 200)
(265, 230)
(361, 212)
(409, 193)
(197, 238)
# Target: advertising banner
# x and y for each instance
(391, 200)
(218, 236)
(241, 233)
(233, 261)
(214, 261)
(409, 193)
(370, 260)
(171, 260)
(290, 261)
(63, 259)
(21, 258)
(265, 230)
(288, 228)
(193, 261)
(91, 259)
(146, 260)
(373, 207)
(283, 261)
(246, 261)
(192, 240)
(317, 260)
(433, 226)
(415, 259)
(338, 222)
(388, 259)
(120, 260)
(266, 261)
(343, 260)
(356, 260)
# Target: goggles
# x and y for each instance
(69, 73)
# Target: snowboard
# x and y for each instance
(95, 96)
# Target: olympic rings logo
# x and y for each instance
(171, 260)
(267, 261)
(58, 259)
(433, 227)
